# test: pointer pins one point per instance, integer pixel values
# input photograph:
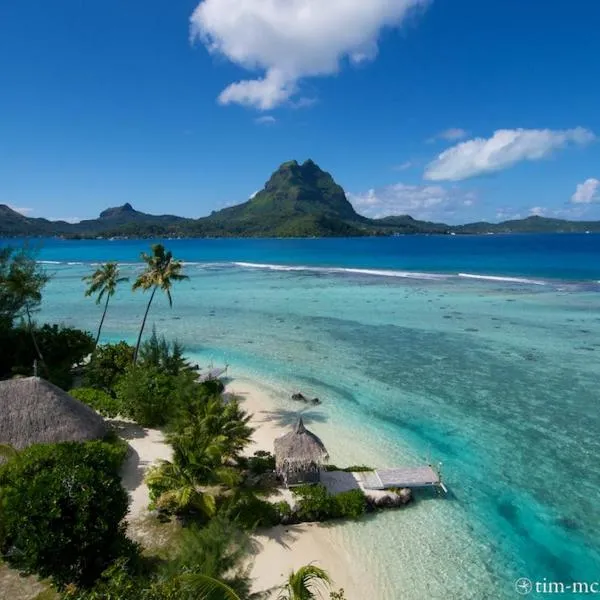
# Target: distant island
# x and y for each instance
(299, 200)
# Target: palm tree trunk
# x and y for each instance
(102, 320)
(139, 341)
(30, 325)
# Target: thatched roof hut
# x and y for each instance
(35, 411)
(299, 455)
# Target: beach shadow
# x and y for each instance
(132, 471)
(283, 535)
(126, 429)
(285, 418)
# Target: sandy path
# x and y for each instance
(146, 447)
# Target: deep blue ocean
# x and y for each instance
(565, 256)
(481, 353)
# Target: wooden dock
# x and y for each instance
(402, 477)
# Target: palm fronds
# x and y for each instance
(306, 583)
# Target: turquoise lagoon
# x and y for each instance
(481, 353)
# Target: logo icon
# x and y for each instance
(523, 586)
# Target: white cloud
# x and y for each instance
(505, 148)
(403, 166)
(452, 134)
(68, 219)
(507, 214)
(537, 211)
(432, 202)
(266, 120)
(288, 40)
(587, 192)
(21, 210)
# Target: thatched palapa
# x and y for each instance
(35, 411)
(299, 456)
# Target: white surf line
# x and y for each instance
(502, 279)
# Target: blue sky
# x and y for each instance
(454, 110)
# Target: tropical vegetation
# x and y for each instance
(103, 282)
(162, 270)
(305, 583)
(53, 349)
(63, 506)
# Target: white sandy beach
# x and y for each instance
(280, 549)
(285, 548)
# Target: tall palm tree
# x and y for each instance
(103, 281)
(25, 282)
(305, 584)
(160, 273)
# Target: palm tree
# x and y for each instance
(204, 587)
(161, 271)
(175, 490)
(25, 282)
(207, 418)
(305, 584)
(103, 281)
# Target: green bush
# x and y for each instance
(212, 387)
(262, 462)
(250, 512)
(351, 504)
(99, 400)
(108, 364)
(145, 394)
(119, 581)
(61, 347)
(284, 510)
(163, 356)
(63, 510)
(315, 503)
(351, 469)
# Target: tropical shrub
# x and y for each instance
(351, 504)
(145, 394)
(163, 356)
(62, 347)
(218, 550)
(207, 565)
(63, 510)
(99, 400)
(173, 489)
(284, 510)
(107, 366)
(250, 512)
(306, 583)
(315, 503)
(261, 462)
(351, 469)
(200, 416)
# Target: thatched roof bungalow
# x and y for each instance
(299, 455)
(35, 411)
